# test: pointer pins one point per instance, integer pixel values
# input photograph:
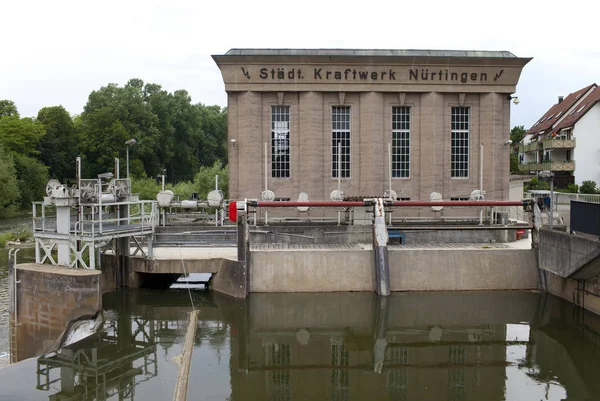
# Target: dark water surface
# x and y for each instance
(352, 346)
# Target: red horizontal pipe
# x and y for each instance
(457, 203)
(310, 204)
(387, 203)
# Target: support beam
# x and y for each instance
(380, 240)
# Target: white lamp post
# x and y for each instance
(127, 143)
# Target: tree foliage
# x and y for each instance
(21, 135)
(172, 134)
(535, 183)
(170, 131)
(8, 108)
(588, 187)
(517, 134)
(9, 185)
(514, 164)
(58, 148)
(32, 176)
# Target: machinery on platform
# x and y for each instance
(74, 220)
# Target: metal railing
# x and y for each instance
(559, 143)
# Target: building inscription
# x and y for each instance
(382, 75)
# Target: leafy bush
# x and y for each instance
(588, 187)
(184, 189)
(536, 184)
(147, 188)
(205, 179)
(571, 189)
(19, 235)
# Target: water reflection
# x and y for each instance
(434, 346)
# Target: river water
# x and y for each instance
(346, 346)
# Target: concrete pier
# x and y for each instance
(43, 299)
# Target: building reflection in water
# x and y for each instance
(282, 347)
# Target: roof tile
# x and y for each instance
(557, 111)
(580, 110)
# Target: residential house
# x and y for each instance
(566, 139)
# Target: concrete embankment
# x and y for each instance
(571, 266)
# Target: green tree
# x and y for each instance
(21, 135)
(32, 176)
(8, 108)
(205, 179)
(588, 187)
(514, 163)
(58, 147)
(171, 133)
(517, 134)
(9, 185)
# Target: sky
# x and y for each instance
(57, 52)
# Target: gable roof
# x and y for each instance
(579, 111)
(557, 111)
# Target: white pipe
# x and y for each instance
(339, 173)
(339, 165)
(266, 154)
(481, 180)
(390, 177)
(390, 167)
(266, 186)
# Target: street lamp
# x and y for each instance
(550, 175)
(127, 143)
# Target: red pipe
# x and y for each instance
(309, 204)
(386, 202)
(457, 203)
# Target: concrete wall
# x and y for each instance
(410, 270)
(457, 270)
(306, 271)
(47, 298)
(564, 254)
(585, 294)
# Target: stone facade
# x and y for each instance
(371, 83)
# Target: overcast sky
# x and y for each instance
(57, 52)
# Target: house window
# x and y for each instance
(459, 154)
(340, 141)
(401, 142)
(280, 141)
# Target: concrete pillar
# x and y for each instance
(232, 146)
(42, 308)
(313, 141)
(369, 154)
(244, 252)
(432, 145)
(249, 145)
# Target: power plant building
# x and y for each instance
(304, 121)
